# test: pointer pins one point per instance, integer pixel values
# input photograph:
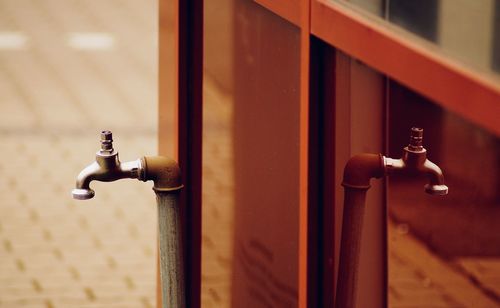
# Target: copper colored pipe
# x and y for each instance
(361, 168)
(358, 172)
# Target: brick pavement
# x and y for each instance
(419, 278)
(57, 252)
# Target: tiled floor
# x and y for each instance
(54, 99)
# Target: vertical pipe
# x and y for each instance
(171, 267)
(354, 208)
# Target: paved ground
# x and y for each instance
(54, 99)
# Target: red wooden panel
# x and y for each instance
(288, 9)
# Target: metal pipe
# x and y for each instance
(166, 176)
(171, 265)
(358, 172)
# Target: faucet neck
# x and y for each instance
(107, 160)
(414, 158)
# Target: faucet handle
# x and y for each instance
(416, 138)
(106, 141)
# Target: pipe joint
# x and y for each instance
(164, 172)
(361, 168)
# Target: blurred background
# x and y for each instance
(69, 69)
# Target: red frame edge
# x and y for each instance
(448, 83)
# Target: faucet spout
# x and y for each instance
(436, 179)
(104, 173)
(87, 175)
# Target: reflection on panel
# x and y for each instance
(376, 7)
(218, 158)
(418, 17)
(467, 30)
(251, 157)
(266, 128)
(496, 38)
(166, 78)
(453, 238)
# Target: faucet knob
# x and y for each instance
(416, 138)
(106, 141)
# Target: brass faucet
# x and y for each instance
(358, 172)
(415, 160)
(107, 168)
